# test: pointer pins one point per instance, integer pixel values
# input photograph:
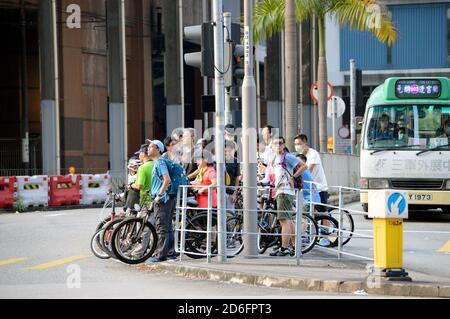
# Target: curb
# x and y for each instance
(332, 286)
(49, 208)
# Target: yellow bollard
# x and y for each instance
(388, 208)
(388, 243)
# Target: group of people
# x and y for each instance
(149, 174)
(286, 172)
(400, 132)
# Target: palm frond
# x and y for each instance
(268, 18)
(365, 15)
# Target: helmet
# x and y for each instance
(134, 163)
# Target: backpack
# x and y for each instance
(177, 175)
(298, 181)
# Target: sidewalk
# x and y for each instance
(318, 271)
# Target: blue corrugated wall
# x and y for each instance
(421, 41)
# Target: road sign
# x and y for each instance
(388, 203)
(396, 204)
(315, 88)
(338, 109)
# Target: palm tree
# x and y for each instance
(363, 15)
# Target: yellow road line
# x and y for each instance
(445, 248)
(56, 263)
(11, 261)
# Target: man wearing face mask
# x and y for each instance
(315, 167)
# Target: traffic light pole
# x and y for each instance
(249, 135)
(352, 104)
(228, 65)
(219, 140)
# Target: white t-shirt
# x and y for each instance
(317, 172)
(268, 154)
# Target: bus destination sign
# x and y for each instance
(413, 89)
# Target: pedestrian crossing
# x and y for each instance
(43, 266)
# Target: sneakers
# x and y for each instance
(324, 242)
(280, 252)
(173, 256)
(156, 259)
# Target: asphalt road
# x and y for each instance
(426, 242)
(43, 254)
(47, 255)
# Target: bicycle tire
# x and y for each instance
(117, 241)
(106, 236)
(96, 248)
(195, 241)
(234, 225)
(330, 231)
(98, 239)
(348, 224)
(311, 234)
(103, 223)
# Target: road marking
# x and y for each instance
(56, 263)
(412, 231)
(11, 261)
(445, 248)
(61, 214)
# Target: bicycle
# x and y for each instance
(269, 228)
(97, 245)
(196, 237)
(132, 232)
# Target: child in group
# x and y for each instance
(131, 195)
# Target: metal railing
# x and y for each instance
(182, 209)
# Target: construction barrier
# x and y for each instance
(33, 190)
(64, 190)
(94, 188)
(8, 188)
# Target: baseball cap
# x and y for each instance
(142, 149)
(157, 143)
(229, 128)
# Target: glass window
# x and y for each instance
(448, 36)
(408, 126)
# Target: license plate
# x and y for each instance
(421, 197)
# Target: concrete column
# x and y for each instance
(49, 87)
(172, 74)
(117, 88)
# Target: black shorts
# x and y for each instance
(324, 200)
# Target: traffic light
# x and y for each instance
(238, 61)
(202, 35)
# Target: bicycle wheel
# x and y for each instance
(96, 248)
(196, 242)
(133, 242)
(234, 244)
(348, 225)
(103, 223)
(106, 236)
(310, 232)
(328, 230)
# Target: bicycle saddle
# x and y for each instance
(191, 202)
